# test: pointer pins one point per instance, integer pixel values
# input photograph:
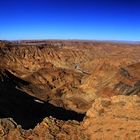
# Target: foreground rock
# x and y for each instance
(117, 118)
(48, 129)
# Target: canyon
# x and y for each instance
(69, 89)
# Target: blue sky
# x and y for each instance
(70, 19)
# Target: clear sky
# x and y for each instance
(70, 19)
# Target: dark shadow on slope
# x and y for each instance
(23, 108)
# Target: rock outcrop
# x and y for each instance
(113, 118)
(108, 118)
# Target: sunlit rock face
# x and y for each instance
(115, 117)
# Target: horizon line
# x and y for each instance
(97, 40)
